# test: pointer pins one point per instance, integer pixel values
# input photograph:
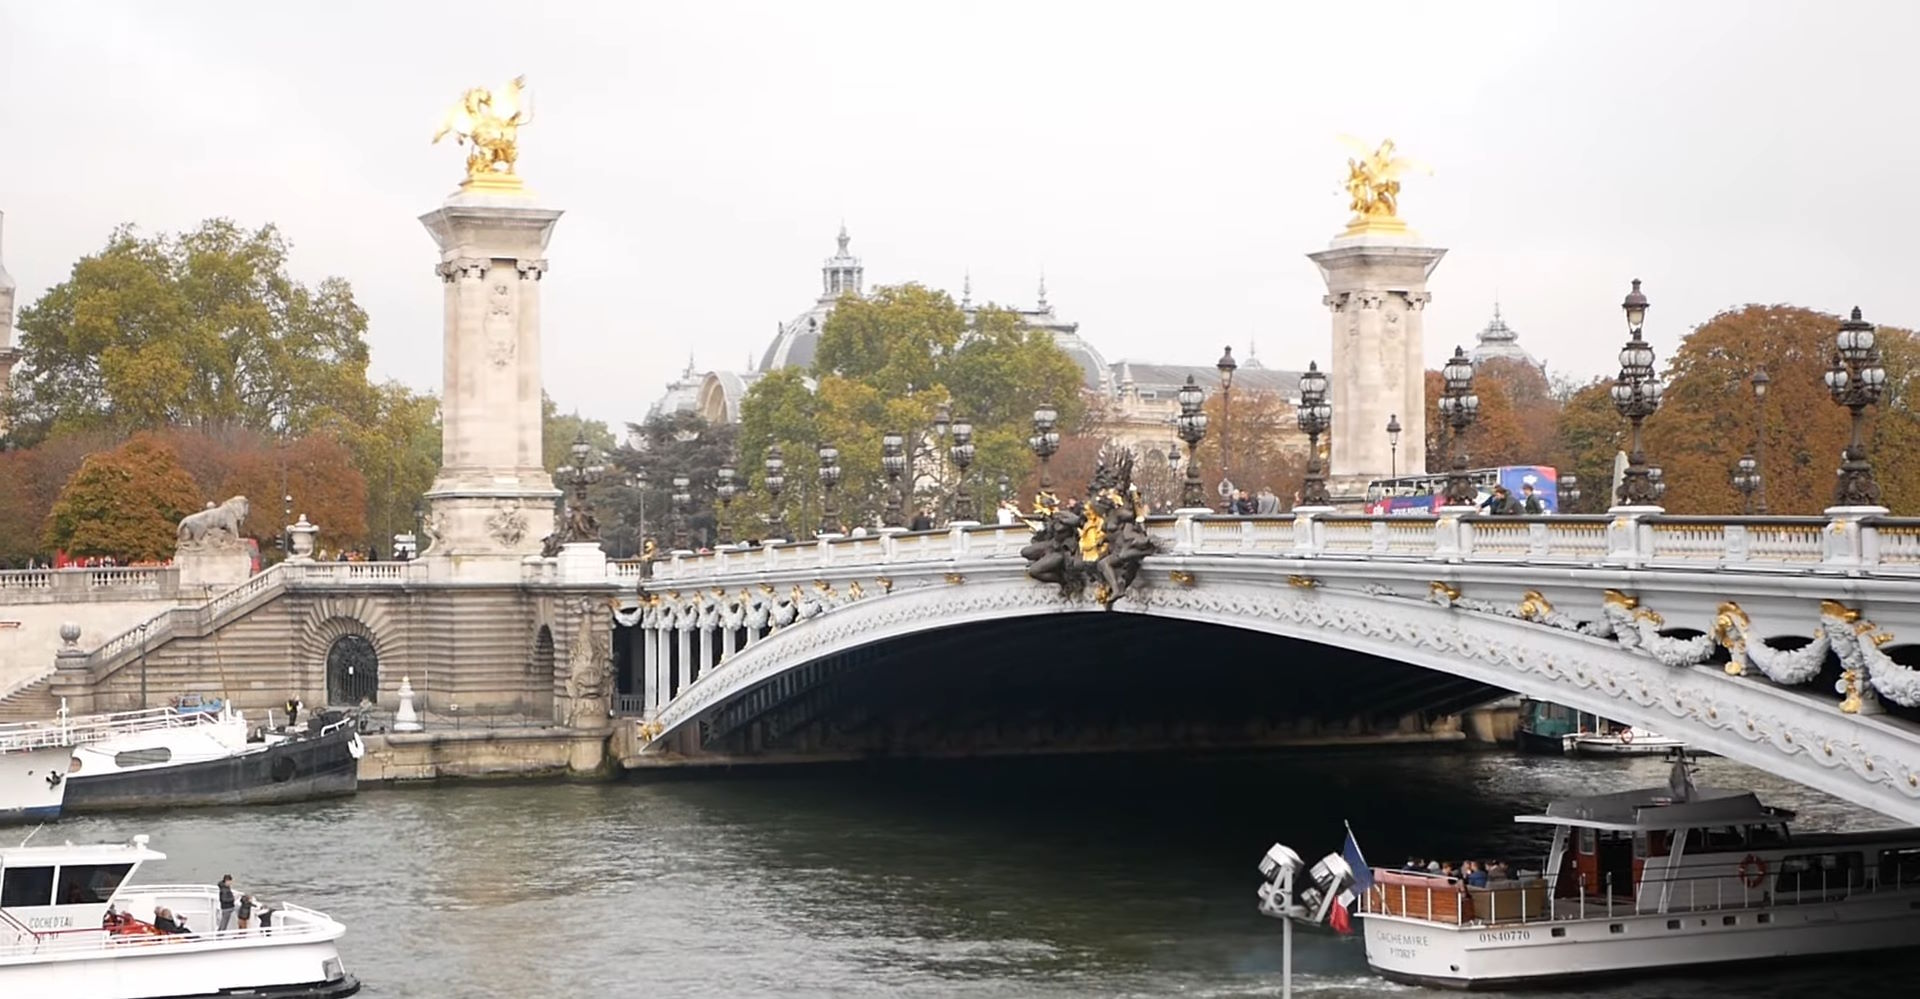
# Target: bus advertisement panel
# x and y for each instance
(1421, 495)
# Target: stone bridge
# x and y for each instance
(1778, 641)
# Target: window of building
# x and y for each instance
(24, 887)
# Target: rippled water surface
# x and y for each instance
(1108, 876)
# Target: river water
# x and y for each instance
(1088, 876)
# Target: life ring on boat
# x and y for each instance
(1626, 737)
(1753, 871)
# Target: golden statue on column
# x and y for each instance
(489, 121)
(1373, 186)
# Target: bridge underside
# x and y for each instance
(1079, 683)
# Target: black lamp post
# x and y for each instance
(1746, 479)
(1459, 407)
(1856, 380)
(1569, 492)
(1636, 394)
(1315, 416)
(1393, 446)
(681, 500)
(1045, 441)
(829, 477)
(724, 488)
(1006, 487)
(580, 525)
(1759, 382)
(962, 452)
(893, 460)
(640, 484)
(286, 533)
(776, 481)
(1226, 366)
(1192, 423)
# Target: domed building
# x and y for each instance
(1498, 340)
(716, 395)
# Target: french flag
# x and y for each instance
(1340, 919)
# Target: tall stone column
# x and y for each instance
(492, 503)
(9, 354)
(1377, 291)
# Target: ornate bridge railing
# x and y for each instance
(1854, 545)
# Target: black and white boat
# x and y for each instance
(178, 756)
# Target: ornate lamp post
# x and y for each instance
(829, 477)
(1636, 394)
(1315, 416)
(1226, 366)
(1746, 478)
(1393, 446)
(724, 488)
(681, 500)
(640, 484)
(1759, 382)
(775, 480)
(575, 478)
(962, 452)
(286, 533)
(1856, 380)
(893, 460)
(1192, 423)
(1459, 407)
(1569, 492)
(1045, 441)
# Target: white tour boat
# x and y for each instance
(1626, 740)
(72, 927)
(1650, 880)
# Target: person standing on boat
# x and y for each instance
(293, 711)
(246, 912)
(226, 904)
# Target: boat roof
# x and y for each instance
(132, 851)
(1658, 808)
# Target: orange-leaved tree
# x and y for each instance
(126, 503)
(1708, 416)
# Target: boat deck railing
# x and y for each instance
(1438, 899)
(83, 729)
(198, 903)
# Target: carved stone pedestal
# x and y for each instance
(583, 562)
(493, 500)
(1377, 291)
(214, 567)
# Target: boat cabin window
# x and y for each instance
(1715, 839)
(1899, 867)
(1766, 835)
(83, 884)
(1586, 841)
(25, 887)
(142, 757)
(1821, 871)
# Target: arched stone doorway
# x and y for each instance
(353, 671)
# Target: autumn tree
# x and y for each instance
(318, 472)
(203, 328)
(1498, 435)
(1708, 418)
(125, 503)
(30, 482)
(1267, 449)
(884, 364)
(1588, 434)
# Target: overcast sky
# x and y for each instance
(1168, 166)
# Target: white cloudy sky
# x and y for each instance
(1167, 165)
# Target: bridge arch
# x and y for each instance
(1791, 732)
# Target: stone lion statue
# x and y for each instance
(216, 525)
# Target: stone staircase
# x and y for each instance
(32, 702)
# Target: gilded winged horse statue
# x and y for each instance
(1373, 180)
(489, 121)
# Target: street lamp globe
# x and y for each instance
(1226, 366)
(1635, 306)
(580, 449)
(1760, 381)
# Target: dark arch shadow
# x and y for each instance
(1061, 682)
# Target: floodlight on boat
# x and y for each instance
(1280, 858)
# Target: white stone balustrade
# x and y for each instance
(1873, 545)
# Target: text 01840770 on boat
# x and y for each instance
(1645, 881)
(71, 926)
